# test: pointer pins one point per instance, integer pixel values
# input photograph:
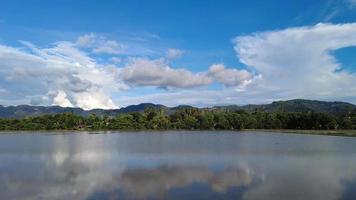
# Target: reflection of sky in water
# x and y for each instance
(177, 166)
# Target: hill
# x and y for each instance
(297, 105)
(27, 110)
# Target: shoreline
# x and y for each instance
(344, 133)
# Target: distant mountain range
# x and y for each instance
(27, 110)
(296, 105)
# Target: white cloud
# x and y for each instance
(291, 63)
(298, 62)
(100, 44)
(61, 99)
(75, 78)
(229, 77)
(174, 53)
(67, 76)
(109, 47)
(282, 64)
(87, 40)
(144, 72)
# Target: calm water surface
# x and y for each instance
(176, 165)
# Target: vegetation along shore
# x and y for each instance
(293, 116)
(191, 119)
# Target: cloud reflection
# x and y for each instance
(72, 180)
(157, 182)
(98, 167)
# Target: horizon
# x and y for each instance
(114, 54)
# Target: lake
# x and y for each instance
(176, 165)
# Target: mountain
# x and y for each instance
(141, 107)
(26, 110)
(296, 105)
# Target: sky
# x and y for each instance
(110, 54)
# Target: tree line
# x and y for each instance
(185, 119)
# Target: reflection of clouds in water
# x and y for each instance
(81, 180)
(78, 167)
(70, 170)
(302, 186)
(74, 180)
(70, 180)
(242, 176)
(73, 169)
(87, 150)
(142, 183)
(307, 178)
(156, 182)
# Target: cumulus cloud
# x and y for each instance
(144, 72)
(229, 77)
(174, 53)
(298, 62)
(281, 64)
(286, 64)
(66, 75)
(72, 77)
(62, 99)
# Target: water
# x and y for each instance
(176, 165)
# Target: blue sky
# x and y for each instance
(110, 54)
